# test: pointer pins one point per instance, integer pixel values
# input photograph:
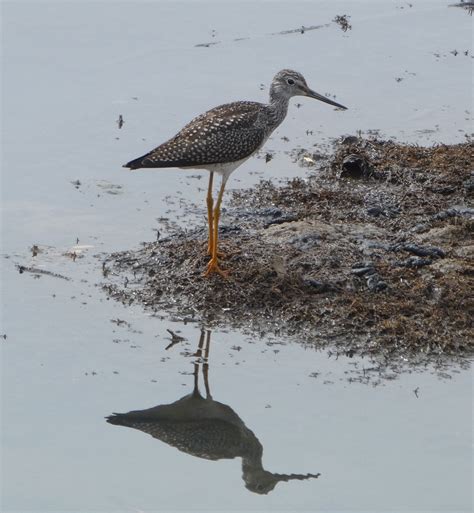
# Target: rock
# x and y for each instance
(363, 271)
(355, 166)
(287, 218)
(272, 212)
(349, 139)
(274, 215)
(375, 283)
(226, 228)
(367, 269)
(375, 211)
(414, 261)
(422, 251)
(389, 211)
(469, 183)
(456, 211)
(317, 285)
(419, 228)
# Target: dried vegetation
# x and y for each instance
(372, 254)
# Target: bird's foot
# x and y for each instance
(213, 267)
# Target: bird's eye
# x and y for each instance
(290, 81)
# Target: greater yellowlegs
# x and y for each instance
(221, 139)
(206, 428)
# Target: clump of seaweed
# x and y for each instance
(375, 263)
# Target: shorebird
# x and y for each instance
(223, 138)
(206, 428)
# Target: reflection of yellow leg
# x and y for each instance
(213, 265)
(205, 367)
(198, 353)
(196, 380)
(208, 343)
(210, 218)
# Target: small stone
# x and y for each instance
(375, 211)
(226, 228)
(364, 268)
(363, 271)
(443, 189)
(349, 139)
(469, 183)
(414, 261)
(273, 212)
(284, 218)
(419, 228)
(355, 166)
(424, 251)
(319, 286)
(375, 283)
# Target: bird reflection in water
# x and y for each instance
(206, 428)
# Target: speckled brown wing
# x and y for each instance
(212, 439)
(224, 134)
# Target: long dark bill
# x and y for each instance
(317, 96)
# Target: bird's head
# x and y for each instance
(288, 83)
(262, 481)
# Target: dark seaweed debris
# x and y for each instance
(468, 5)
(37, 272)
(343, 22)
(377, 263)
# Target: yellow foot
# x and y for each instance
(213, 267)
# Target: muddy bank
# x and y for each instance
(372, 254)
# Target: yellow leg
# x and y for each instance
(210, 218)
(213, 265)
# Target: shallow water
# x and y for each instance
(69, 361)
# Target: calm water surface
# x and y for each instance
(273, 412)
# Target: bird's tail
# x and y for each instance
(136, 163)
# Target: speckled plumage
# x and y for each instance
(201, 427)
(228, 133)
(207, 429)
(224, 134)
(221, 139)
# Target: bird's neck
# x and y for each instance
(252, 459)
(278, 105)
